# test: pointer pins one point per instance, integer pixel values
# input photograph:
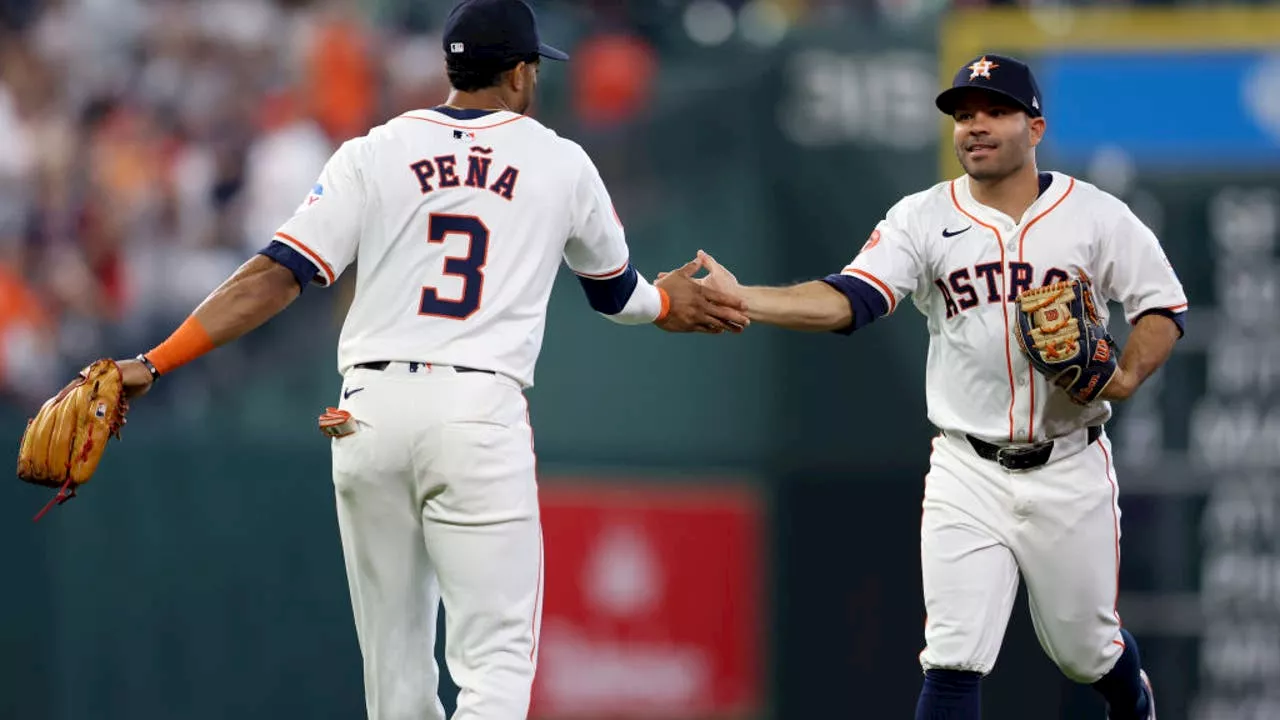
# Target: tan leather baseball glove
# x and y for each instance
(1063, 337)
(65, 440)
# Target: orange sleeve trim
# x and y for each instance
(605, 275)
(187, 343)
(315, 257)
(1172, 308)
(1031, 381)
(666, 305)
(893, 301)
(955, 200)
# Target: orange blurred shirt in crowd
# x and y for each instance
(613, 77)
(24, 323)
(342, 83)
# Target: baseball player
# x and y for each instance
(1021, 478)
(459, 216)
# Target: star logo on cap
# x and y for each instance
(982, 68)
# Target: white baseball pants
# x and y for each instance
(1058, 524)
(437, 499)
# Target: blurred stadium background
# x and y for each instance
(731, 522)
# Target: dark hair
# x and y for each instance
(470, 76)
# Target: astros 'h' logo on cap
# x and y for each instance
(982, 68)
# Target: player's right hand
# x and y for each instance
(697, 306)
(718, 276)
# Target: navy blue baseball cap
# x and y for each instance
(1000, 74)
(494, 31)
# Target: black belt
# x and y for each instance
(1022, 458)
(413, 367)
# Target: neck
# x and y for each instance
(1011, 194)
(478, 100)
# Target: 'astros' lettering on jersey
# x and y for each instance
(965, 263)
(460, 221)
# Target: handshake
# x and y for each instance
(710, 304)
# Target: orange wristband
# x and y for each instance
(187, 343)
(666, 305)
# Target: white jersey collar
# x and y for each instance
(493, 119)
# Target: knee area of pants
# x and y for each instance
(1084, 672)
(1084, 661)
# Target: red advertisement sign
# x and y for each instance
(653, 605)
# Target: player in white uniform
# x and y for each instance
(1021, 478)
(459, 216)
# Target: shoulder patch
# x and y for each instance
(313, 197)
(872, 241)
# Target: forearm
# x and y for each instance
(627, 299)
(257, 291)
(1149, 346)
(811, 306)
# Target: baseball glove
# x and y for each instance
(1060, 333)
(65, 440)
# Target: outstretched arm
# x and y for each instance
(255, 293)
(314, 245)
(813, 306)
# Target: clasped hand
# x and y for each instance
(710, 304)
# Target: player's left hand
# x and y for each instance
(137, 378)
(1063, 337)
(698, 307)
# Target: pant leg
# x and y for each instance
(1069, 551)
(482, 528)
(970, 577)
(394, 594)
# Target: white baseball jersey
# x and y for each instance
(964, 264)
(460, 220)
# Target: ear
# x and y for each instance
(1037, 128)
(517, 78)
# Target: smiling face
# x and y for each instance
(994, 137)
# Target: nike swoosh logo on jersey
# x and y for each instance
(946, 234)
(348, 393)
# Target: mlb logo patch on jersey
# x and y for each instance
(464, 135)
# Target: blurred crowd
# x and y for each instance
(150, 147)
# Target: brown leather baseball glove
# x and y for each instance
(1063, 337)
(65, 440)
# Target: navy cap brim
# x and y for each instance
(947, 99)
(547, 51)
